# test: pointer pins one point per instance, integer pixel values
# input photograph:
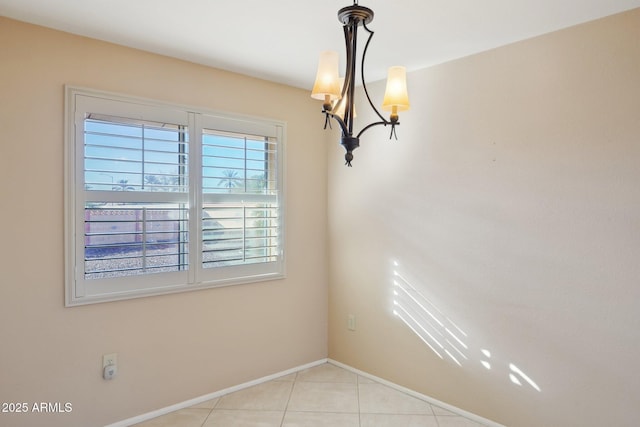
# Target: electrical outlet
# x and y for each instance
(351, 322)
(109, 359)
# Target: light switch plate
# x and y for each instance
(351, 322)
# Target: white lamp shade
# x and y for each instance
(396, 94)
(327, 81)
(342, 103)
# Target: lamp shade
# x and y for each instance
(340, 106)
(327, 81)
(396, 94)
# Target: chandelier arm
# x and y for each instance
(348, 40)
(351, 73)
(337, 105)
(339, 102)
(369, 126)
(337, 118)
(364, 85)
(347, 76)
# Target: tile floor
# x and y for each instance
(325, 395)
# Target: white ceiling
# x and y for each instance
(279, 40)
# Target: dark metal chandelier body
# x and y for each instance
(339, 101)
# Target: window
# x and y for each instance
(165, 198)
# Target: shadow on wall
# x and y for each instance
(441, 334)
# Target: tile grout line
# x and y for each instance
(286, 407)
(213, 408)
(435, 417)
(209, 414)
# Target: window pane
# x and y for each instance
(126, 240)
(245, 232)
(236, 234)
(134, 155)
(233, 163)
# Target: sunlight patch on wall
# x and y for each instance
(434, 328)
(524, 376)
(487, 355)
(441, 334)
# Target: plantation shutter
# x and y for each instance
(133, 208)
(241, 210)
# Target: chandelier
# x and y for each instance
(338, 94)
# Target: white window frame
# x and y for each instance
(79, 291)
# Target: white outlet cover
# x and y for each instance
(109, 372)
(109, 359)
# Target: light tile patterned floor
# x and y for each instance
(325, 395)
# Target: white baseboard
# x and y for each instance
(420, 396)
(197, 400)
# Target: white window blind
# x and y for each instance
(162, 198)
(123, 236)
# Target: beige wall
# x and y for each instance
(170, 348)
(511, 202)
